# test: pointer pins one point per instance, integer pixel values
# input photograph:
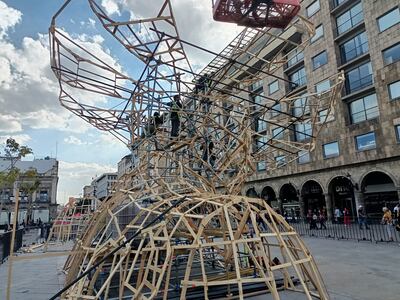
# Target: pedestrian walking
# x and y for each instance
(338, 214)
(387, 222)
(362, 217)
(346, 216)
(322, 219)
(314, 220)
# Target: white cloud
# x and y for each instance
(111, 6)
(28, 88)
(22, 139)
(9, 17)
(74, 175)
(9, 124)
(73, 140)
(195, 24)
(92, 23)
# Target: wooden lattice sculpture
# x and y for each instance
(210, 244)
(211, 241)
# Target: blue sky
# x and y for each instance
(29, 107)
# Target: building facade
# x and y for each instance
(103, 185)
(42, 203)
(356, 160)
(125, 165)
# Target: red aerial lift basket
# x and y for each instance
(277, 14)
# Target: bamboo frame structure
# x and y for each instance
(211, 242)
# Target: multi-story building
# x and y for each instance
(104, 185)
(125, 165)
(356, 160)
(42, 203)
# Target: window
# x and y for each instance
(313, 8)
(294, 57)
(389, 19)
(350, 18)
(353, 48)
(323, 86)
(331, 150)
(364, 109)
(277, 133)
(298, 78)
(258, 98)
(319, 60)
(303, 131)
(262, 143)
(301, 107)
(276, 109)
(365, 141)
(304, 157)
(394, 90)
(261, 166)
(319, 33)
(359, 78)
(338, 2)
(261, 125)
(256, 85)
(391, 54)
(324, 116)
(397, 128)
(280, 160)
(273, 87)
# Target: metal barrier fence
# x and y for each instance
(5, 243)
(372, 231)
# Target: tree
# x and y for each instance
(28, 180)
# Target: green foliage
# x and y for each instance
(13, 152)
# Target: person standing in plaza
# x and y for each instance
(346, 217)
(387, 221)
(337, 215)
(362, 218)
(322, 218)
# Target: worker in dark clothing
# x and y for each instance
(176, 107)
(154, 122)
(254, 6)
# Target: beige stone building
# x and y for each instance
(42, 203)
(356, 160)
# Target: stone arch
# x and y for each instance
(323, 186)
(379, 190)
(251, 192)
(389, 174)
(341, 189)
(289, 199)
(312, 196)
(269, 195)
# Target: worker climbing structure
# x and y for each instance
(177, 226)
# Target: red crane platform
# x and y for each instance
(256, 13)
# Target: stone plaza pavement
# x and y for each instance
(351, 270)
